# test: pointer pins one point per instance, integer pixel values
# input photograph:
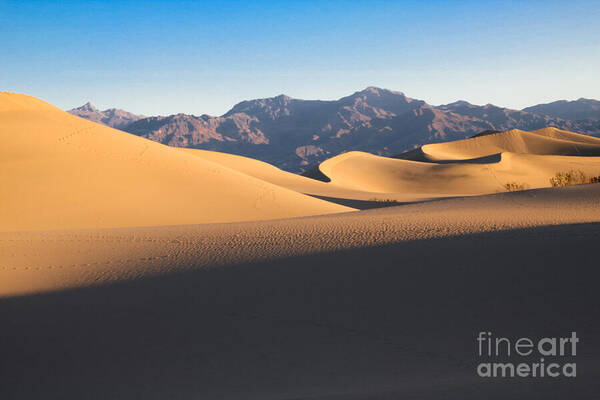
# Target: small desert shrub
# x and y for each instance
(515, 186)
(572, 177)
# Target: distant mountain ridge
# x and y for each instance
(577, 110)
(294, 134)
(112, 117)
(504, 119)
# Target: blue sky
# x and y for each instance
(163, 57)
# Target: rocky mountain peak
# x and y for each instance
(89, 107)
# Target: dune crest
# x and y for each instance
(547, 141)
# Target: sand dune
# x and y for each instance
(405, 178)
(448, 169)
(63, 172)
(68, 173)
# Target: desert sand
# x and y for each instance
(132, 270)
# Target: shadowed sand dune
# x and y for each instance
(63, 172)
(205, 288)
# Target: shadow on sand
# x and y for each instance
(388, 322)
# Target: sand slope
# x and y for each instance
(276, 176)
(58, 171)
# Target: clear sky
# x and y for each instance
(163, 57)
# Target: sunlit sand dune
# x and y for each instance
(363, 171)
(526, 159)
(58, 171)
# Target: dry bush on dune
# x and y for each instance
(515, 186)
(564, 178)
(572, 177)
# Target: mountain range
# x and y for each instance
(578, 110)
(294, 134)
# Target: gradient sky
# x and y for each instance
(163, 57)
